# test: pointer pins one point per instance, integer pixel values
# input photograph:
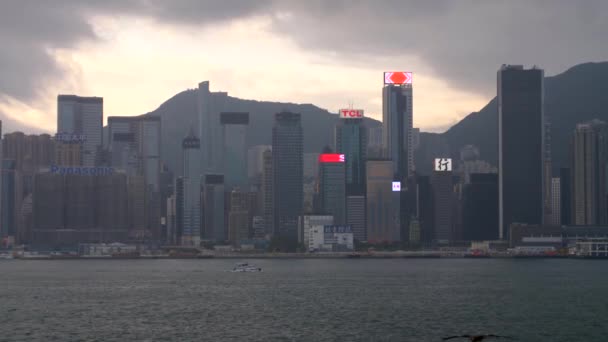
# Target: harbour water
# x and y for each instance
(303, 300)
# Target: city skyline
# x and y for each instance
(100, 49)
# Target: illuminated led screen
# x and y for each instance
(331, 158)
(397, 77)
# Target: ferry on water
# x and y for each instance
(245, 267)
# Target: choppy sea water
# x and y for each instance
(303, 300)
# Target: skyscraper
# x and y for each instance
(287, 165)
(355, 216)
(556, 202)
(332, 181)
(82, 115)
(210, 105)
(565, 187)
(255, 163)
(480, 207)
(590, 147)
(351, 140)
(442, 184)
(191, 220)
(521, 146)
(240, 217)
(134, 144)
(234, 149)
(268, 194)
(383, 203)
(8, 221)
(397, 122)
(213, 208)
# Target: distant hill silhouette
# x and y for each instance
(180, 112)
(576, 95)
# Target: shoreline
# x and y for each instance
(299, 256)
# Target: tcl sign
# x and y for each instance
(351, 113)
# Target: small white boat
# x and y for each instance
(245, 267)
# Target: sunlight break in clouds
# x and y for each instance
(140, 63)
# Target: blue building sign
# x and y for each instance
(82, 170)
(70, 137)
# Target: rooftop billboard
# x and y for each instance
(443, 164)
(397, 77)
(331, 158)
(351, 113)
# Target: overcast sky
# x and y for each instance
(138, 53)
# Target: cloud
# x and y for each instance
(462, 43)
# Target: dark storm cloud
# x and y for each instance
(463, 42)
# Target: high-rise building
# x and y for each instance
(111, 209)
(30, 152)
(255, 163)
(8, 223)
(233, 159)
(351, 140)
(556, 202)
(210, 105)
(590, 152)
(287, 165)
(134, 144)
(397, 122)
(480, 207)
(442, 183)
(191, 220)
(521, 146)
(332, 185)
(424, 211)
(213, 208)
(415, 138)
(73, 208)
(68, 154)
(268, 194)
(355, 216)
(240, 217)
(383, 203)
(136, 193)
(565, 187)
(311, 166)
(171, 220)
(82, 115)
(180, 199)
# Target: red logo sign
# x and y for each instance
(331, 158)
(397, 77)
(351, 113)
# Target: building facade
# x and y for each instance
(213, 208)
(397, 124)
(521, 146)
(355, 216)
(233, 158)
(351, 140)
(332, 185)
(287, 171)
(210, 105)
(82, 115)
(383, 203)
(590, 154)
(191, 220)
